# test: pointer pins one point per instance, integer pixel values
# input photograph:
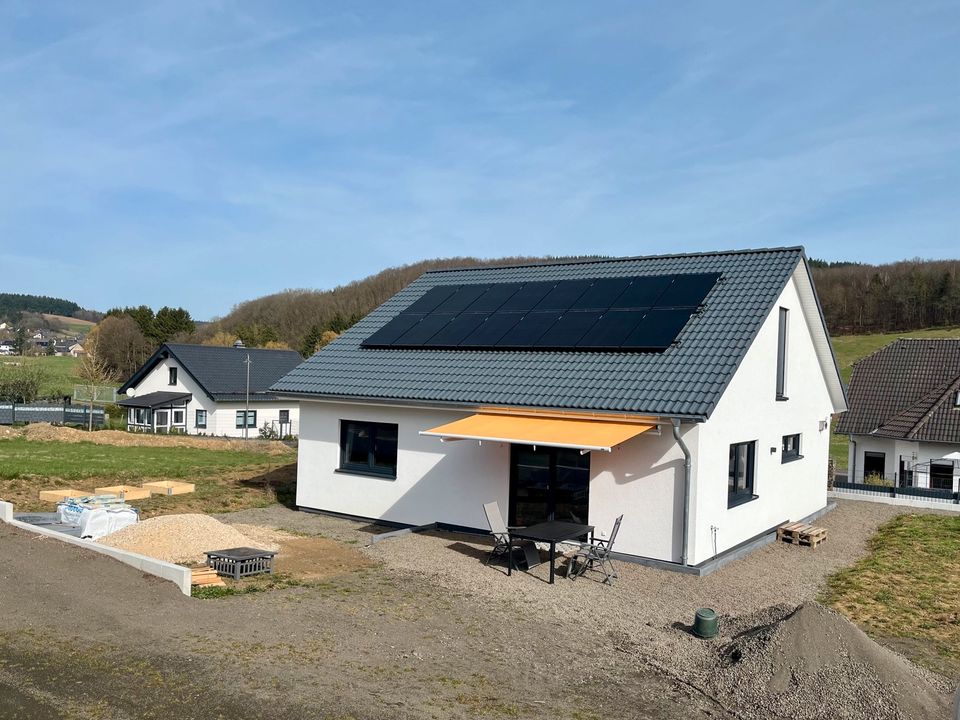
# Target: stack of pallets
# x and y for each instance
(206, 576)
(802, 534)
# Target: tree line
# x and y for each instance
(897, 297)
(12, 305)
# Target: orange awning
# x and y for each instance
(550, 432)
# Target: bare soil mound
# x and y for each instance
(184, 538)
(815, 663)
(45, 431)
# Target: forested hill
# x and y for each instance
(289, 316)
(856, 298)
(12, 304)
(901, 296)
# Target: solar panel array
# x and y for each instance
(643, 313)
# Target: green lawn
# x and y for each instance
(907, 590)
(60, 377)
(225, 479)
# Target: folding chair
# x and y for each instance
(596, 555)
(501, 538)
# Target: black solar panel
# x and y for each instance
(643, 313)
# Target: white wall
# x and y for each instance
(894, 449)
(221, 417)
(749, 411)
(445, 482)
(449, 482)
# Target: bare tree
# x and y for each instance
(94, 373)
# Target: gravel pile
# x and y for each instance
(46, 431)
(815, 663)
(184, 538)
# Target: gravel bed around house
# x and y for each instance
(647, 613)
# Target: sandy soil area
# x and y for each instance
(86, 637)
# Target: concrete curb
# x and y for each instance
(900, 500)
(177, 574)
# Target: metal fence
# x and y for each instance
(892, 491)
(51, 412)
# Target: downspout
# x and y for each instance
(853, 465)
(687, 466)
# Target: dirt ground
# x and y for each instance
(121, 438)
(86, 637)
(411, 627)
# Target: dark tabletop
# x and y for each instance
(241, 553)
(552, 531)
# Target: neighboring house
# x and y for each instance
(202, 389)
(76, 350)
(904, 416)
(573, 391)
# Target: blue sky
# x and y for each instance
(201, 154)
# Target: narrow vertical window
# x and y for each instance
(173, 376)
(782, 354)
(740, 478)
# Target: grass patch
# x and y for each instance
(908, 589)
(59, 372)
(20, 457)
(256, 584)
(226, 480)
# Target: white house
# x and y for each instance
(203, 389)
(904, 417)
(691, 393)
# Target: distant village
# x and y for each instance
(43, 337)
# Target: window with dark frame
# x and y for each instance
(782, 354)
(956, 399)
(368, 448)
(874, 464)
(791, 448)
(173, 376)
(251, 418)
(201, 419)
(741, 476)
(284, 416)
(941, 476)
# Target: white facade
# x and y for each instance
(221, 416)
(895, 451)
(643, 478)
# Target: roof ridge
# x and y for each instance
(951, 387)
(591, 260)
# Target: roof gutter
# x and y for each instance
(687, 475)
(478, 407)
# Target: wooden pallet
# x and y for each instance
(206, 576)
(802, 534)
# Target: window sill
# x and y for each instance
(740, 500)
(365, 473)
(792, 458)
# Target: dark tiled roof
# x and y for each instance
(906, 390)
(221, 371)
(155, 399)
(687, 379)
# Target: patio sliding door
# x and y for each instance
(548, 484)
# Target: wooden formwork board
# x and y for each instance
(169, 487)
(124, 492)
(61, 494)
(206, 576)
